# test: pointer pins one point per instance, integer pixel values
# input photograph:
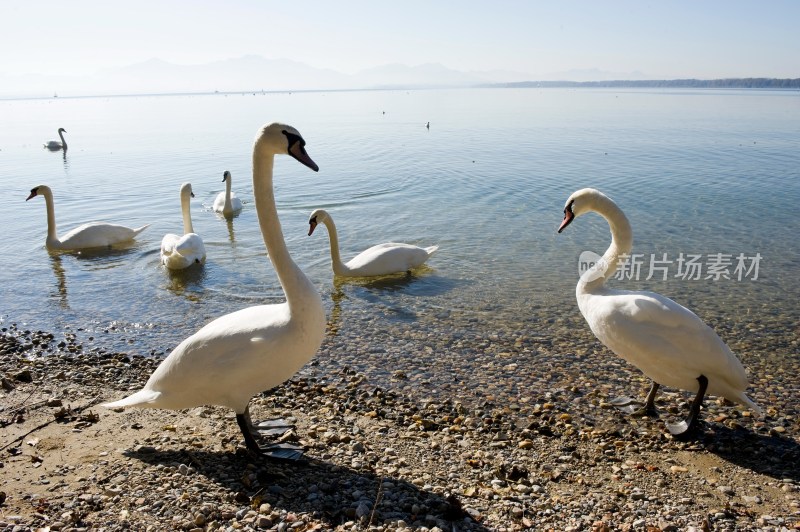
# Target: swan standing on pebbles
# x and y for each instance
(382, 259)
(665, 340)
(54, 145)
(226, 203)
(254, 349)
(179, 252)
(89, 235)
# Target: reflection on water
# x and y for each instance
(188, 282)
(108, 257)
(61, 280)
(231, 235)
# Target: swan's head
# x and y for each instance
(280, 138)
(41, 190)
(62, 130)
(579, 203)
(225, 176)
(317, 217)
(186, 190)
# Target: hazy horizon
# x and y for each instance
(83, 44)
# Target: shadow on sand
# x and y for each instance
(333, 494)
(773, 456)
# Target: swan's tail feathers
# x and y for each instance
(431, 250)
(142, 398)
(743, 399)
(140, 229)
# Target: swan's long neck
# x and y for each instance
(52, 236)
(228, 207)
(63, 142)
(187, 213)
(295, 284)
(338, 267)
(621, 241)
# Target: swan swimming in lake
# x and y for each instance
(226, 203)
(179, 252)
(243, 353)
(54, 145)
(665, 340)
(86, 236)
(382, 259)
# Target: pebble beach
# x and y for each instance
(506, 432)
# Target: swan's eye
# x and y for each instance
(292, 138)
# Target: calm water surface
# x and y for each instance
(697, 172)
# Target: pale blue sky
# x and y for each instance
(662, 39)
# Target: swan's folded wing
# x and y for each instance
(658, 324)
(389, 257)
(97, 234)
(190, 244)
(168, 244)
(223, 354)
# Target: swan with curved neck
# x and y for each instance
(381, 259)
(54, 145)
(86, 236)
(226, 203)
(666, 341)
(254, 349)
(179, 252)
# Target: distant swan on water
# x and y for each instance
(381, 259)
(54, 145)
(240, 354)
(181, 251)
(89, 235)
(665, 340)
(226, 203)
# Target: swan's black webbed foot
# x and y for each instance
(628, 404)
(273, 428)
(625, 404)
(687, 428)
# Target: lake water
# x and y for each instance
(697, 172)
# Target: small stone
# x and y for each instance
(363, 509)
(24, 376)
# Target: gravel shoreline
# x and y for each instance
(529, 443)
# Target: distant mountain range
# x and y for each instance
(255, 73)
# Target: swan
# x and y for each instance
(226, 202)
(54, 145)
(382, 259)
(179, 252)
(257, 348)
(665, 340)
(89, 235)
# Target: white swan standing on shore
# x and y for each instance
(54, 145)
(226, 203)
(179, 252)
(86, 236)
(665, 340)
(240, 354)
(382, 259)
